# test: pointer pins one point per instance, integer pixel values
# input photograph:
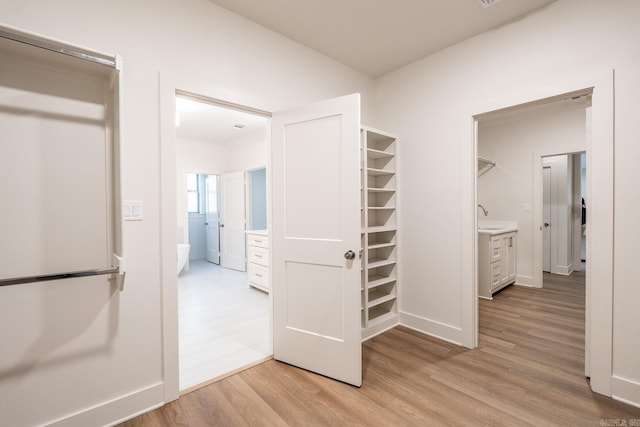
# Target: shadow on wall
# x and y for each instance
(55, 321)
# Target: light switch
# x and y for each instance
(133, 210)
(526, 207)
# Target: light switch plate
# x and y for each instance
(133, 210)
(526, 207)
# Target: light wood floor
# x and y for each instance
(527, 371)
(223, 323)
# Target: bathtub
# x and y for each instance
(183, 256)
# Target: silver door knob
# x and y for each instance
(349, 255)
(221, 225)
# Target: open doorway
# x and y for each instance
(564, 213)
(521, 151)
(224, 324)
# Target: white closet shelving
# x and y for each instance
(379, 232)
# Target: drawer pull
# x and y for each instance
(258, 275)
(257, 256)
(258, 241)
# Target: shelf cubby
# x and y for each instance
(380, 142)
(381, 199)
(382, 218)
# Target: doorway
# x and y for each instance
(527, 145)
(564, 213)
(223, 323)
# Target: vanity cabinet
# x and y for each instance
(258, 259)
(496, 261)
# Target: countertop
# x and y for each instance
(260, 232)
(496, 230)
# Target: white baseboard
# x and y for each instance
(433, 328)
(525, 281)
(117, 410)
(563, 270)
(371, 332)
(625, 390)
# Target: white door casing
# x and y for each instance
(315, 222)
(212, 221)
(546, 225)
(233, 221)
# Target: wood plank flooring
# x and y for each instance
(527, 371)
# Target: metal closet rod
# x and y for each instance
(59, 276)
(58, 49)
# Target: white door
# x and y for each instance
(212, 220)
(315, 228)
(233, 221)
(546, 219)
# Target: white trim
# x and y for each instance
(121, 408)
(431, 327)
(380, 328)
(625, 390)
(600, 183)
(168, 87)
(525, 281)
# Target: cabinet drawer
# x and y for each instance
(496, 274)
(258, 275)
(258, 255)
(256, 240)
(496, 248)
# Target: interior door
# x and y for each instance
(233, 221)
(546, 219)
(315, 238)
(212, 220)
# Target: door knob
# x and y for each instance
(221, 225)
(546, 224)
(349, 255)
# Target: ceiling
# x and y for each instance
(208, 122)
(379, 36)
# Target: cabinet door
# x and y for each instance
(497, 248)
(315, 238)
(497, 274)
(511, 255)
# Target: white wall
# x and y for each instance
(513, 141)
(209, 157)
(118, 370)
(430, 103)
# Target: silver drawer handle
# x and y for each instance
(257, 256)
(258, 275)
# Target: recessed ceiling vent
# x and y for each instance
(487, 3)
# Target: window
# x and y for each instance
(193, 193)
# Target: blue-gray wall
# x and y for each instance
(259, 199)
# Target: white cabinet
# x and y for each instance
(496, 261)
(379, 232)
(258, 259)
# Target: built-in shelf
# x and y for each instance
(378, 154)
(381, 245)
(375, 263)
(484, 165)
(381, 190)
(378, 172)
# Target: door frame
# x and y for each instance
(168, 88)
(546, 193)
(600, 239)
